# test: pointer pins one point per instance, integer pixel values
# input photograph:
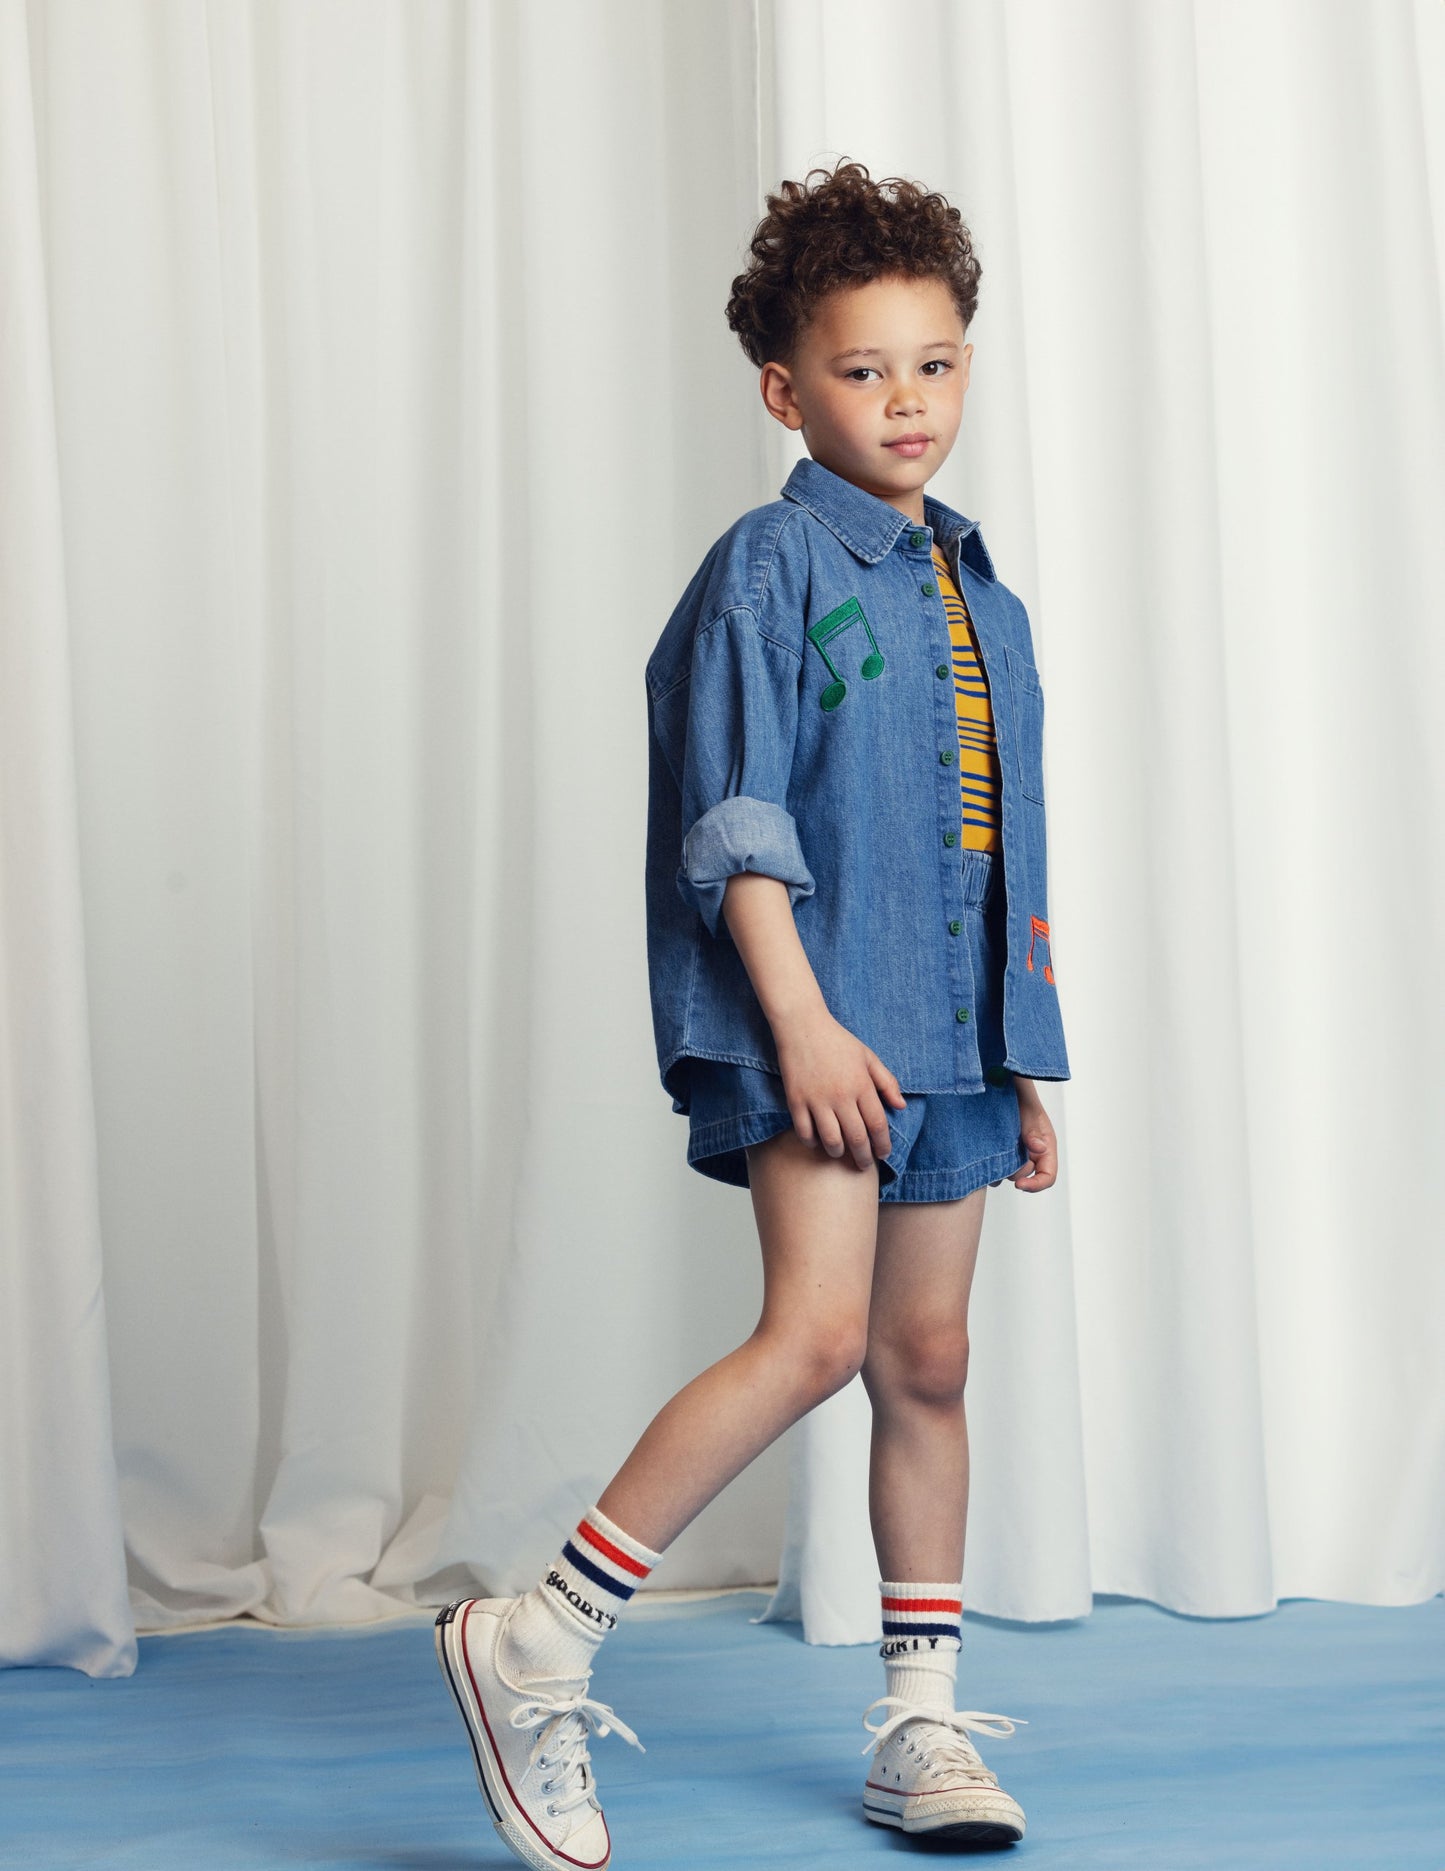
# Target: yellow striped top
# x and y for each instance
(978, 773)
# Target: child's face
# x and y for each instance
(852, 409)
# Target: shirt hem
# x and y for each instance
(907, 1082)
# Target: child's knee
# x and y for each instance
(820, 1357)
(928, 1365)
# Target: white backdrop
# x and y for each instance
(365, 402)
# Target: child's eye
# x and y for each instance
(860, 371)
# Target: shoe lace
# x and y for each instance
(950, 1748)
(561, 1744)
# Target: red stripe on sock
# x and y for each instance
(924, 1604)
(614, 1553)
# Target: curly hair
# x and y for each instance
(846, 231)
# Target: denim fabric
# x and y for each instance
(945, 1143)
(801, 723)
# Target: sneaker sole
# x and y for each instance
(983, 1825)
(512, 1824)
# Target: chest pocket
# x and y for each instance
(1027, 696)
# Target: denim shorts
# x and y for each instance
(945, 1143)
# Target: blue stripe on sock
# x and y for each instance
(598, 1577)
(890, 1629)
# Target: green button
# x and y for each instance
(955, 927)
(998, 1075)
(950, 838)
(917, 539)
(941, 671)
(928, 588)
(947, 757)
(962, 1013)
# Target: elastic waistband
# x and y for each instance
(982, 873)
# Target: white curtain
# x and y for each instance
(367, 401)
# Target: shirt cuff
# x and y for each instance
(740, 834)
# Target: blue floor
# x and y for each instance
(1305, 1740)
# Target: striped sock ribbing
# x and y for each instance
(922, 1636)
(599, 1569)
(557, 1626)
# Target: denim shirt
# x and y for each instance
(801, 723)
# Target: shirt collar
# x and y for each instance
(869, 527)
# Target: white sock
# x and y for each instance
(922, 1636)
(557, 1626)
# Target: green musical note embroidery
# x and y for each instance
(831, 626)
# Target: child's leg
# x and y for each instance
(914, 1372)
(818, 1220)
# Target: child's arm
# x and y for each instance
(831, 1079)
(728, 731)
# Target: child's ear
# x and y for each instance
(775, 386)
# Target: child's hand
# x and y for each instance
(832, 1081)
(1038, 1139)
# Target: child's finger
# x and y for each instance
(876, 1119)
(1043, 1162)
(884, 1079)
(830, 1131)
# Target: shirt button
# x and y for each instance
(917, 539)
(946, 758)
(998, 1075)
(950, 838)
(955, 927)
(962, 1013)
(941, 671)
(928, 588)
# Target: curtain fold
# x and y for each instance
(62, 1556)
(368, 403)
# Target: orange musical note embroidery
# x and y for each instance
(1038, 927)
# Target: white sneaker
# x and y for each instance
(529, 1743)
(926, 1775)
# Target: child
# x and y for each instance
(852, 994)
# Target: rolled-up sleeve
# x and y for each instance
(741, 724)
